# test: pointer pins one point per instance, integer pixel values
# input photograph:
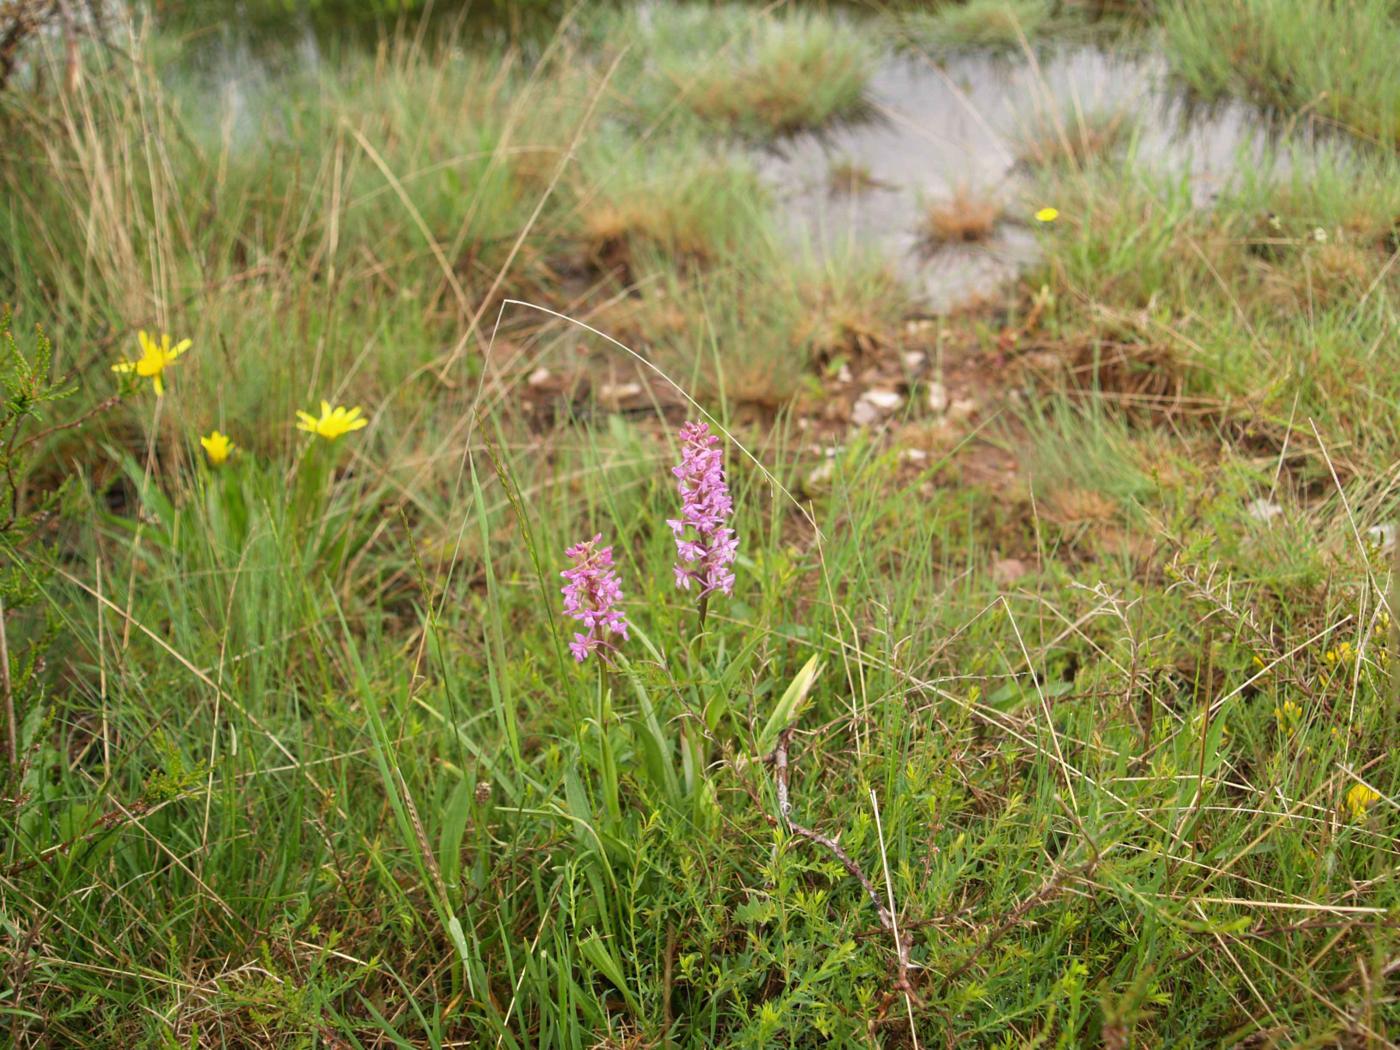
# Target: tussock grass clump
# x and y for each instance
(686, 202)
(1335, 60)
(1074, 138)
(801, 71)
(753, 73)
(996, 24)
(850, 300)
(966, 217)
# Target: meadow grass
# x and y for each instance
(753, 329)
(305, 760)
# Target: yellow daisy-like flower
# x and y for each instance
(1047, 215)
(1359, 799)
(333, 421)
(154, 360)
(217, 447)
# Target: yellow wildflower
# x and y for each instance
(154, 360)
(1288, 716)
(1047, 215)
(1359, 799)
(1341, 655)
(333, 422)
(217, 447)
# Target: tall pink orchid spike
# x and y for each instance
(705, 543)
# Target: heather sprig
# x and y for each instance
(591, 597)
(705, 544)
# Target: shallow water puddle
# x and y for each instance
(966, 124)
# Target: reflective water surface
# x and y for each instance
(936, 128)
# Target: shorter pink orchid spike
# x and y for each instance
(590, 597)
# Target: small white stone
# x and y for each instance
(821, 474)
(937, 398)
(961, 409)
(616, 392)
(1006, 571)
(843, 375)
(1263, 510)
(914, 359)
(539, 377)
(874, 405)
(914, 455)
(864, 414)
(1382, 537)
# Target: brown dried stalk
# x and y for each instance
(903, 943)
(7, 688)
(1395, 620)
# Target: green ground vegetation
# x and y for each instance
(301, 757)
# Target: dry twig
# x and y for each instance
(9, 692)
(902, 983)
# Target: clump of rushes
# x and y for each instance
(705, 544)
(591, 597)
(154, 360)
